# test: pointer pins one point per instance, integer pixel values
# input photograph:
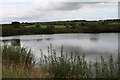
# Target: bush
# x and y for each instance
(37, 26)
(18, 55)
(16, 24)
(94, 28)
(49, 30)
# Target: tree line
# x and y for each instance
(17, 28)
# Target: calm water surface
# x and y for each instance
(92, 45)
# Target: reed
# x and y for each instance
(17, 55)
(75, 65)
(19, 62)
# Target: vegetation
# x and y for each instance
(17, 54)
(18, 62)
(76, 26)
(16, 24)
(54, 65)
(44, 26)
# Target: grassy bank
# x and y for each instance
(18, 62)
(60, 27)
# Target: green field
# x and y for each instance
(29, 26)
(44, 26)
(60, 26)
(114, 23)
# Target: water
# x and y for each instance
(92, 45)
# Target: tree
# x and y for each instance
(16, 24)
(82, 24)
(67, 26)
(37, 26)
(94, 28)
(49, 30)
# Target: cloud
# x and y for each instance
(68, 6)
(37, 10)
(76, 0)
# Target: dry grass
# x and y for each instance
(12, 70)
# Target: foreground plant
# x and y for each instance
(19, 62)
(73, 65)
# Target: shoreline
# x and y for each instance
(59, 33)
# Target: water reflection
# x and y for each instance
(15, 42)
(92, 45)
(39, 40)
(94, 37)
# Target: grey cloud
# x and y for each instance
(69, 6)
(65, 6)
(119, 10)
(74, 5)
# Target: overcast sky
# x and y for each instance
(57, 10)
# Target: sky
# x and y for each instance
(57, 10)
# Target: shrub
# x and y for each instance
(17, 55)
(49, 30)
(94, 28)
(16, 24)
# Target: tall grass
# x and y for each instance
(75, 66)
(16, 60)
(17, 55)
